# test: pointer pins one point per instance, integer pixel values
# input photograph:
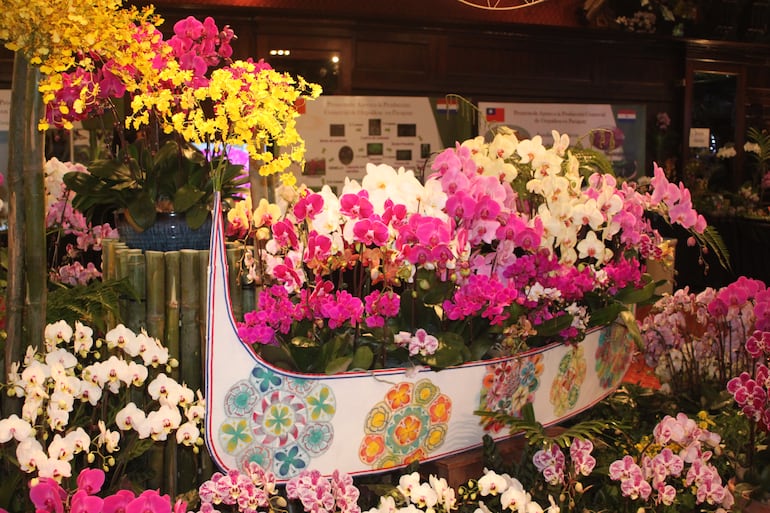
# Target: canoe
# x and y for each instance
(368, 422)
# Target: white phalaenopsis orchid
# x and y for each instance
(73, 368)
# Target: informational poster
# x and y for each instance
(617, 130)
(344, 133)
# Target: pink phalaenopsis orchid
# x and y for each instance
(503, 242)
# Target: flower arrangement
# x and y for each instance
(674, 468)
(710, 350)
(71, 231)
(80, 397)
(506, 245)
(696, 340)
(48, 496)
(185, 87)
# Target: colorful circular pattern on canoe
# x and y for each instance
(279, 422)
(407, 425)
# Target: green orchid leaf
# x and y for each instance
(553, 327)
(187, 196)
(444, 357)
(606, 315)
(362, 358)
(277, 355)
(305, 353)
(633, 296)
(480, 347)
(142, 211)
(628, 318)
(196, 216)
(337, 365)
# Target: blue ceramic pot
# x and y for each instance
(170, 232)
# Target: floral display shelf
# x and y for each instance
(368, 422)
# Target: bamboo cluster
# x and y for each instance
(171, 304)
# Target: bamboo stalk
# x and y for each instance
(109, 259)
(156, 292)
(190, 350)
(171, 332)
(234, 278)
(204, 463)
(170, 467)
(189, 344)
(35, 254)
(121, 271)
(136, 316)
(16, 284)
(203, 299)
(109, 271)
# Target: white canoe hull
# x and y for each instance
(367, 422)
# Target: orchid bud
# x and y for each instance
(579, 487)
(91, 457)
(424, 285)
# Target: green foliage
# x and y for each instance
(537, 435)
(91, 304)
(141, 180)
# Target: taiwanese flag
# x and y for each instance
(495, 114)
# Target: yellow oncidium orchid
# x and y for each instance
(248, 104)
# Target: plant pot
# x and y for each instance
(170, 232)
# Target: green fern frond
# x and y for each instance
(91, 304)
(536, 434)
(592, 161)
(711, 239)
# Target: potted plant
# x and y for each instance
(191, 107)
(173, 183)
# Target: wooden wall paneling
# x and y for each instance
(516, 66)
(395, 62)
(6, 68)
(645, 73)
(311, 57)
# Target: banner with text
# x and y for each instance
(617, 130)
(344, 133)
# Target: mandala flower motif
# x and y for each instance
(508, 386)
(262, 456)
(265, 379)
(565, 389)
(321, 404)
(240, 399)
(399, 396)
(425, 391)
(378, 418)
(372, 447)
(407, 425)
(317, 438)
(278, 422)
(407, 429)
(234, 434)
(612, 355)
(290, 462)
